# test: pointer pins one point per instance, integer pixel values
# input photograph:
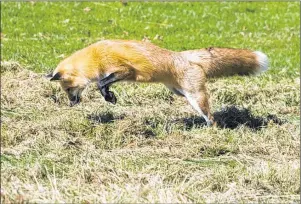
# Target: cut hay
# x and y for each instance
(150, 147)
(10, 66)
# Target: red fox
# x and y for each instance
(184, 73)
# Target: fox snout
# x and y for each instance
(74, 100)
(74, 95)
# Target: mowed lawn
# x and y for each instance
(150, 146)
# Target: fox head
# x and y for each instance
(71, 80)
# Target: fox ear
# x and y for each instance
(56, 77)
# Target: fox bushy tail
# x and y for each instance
(217, 62)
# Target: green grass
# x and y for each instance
(140, 150)
(39, 34)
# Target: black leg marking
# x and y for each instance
(108, 95)
(104, 84)
(116, 76)
(107, 80)
(175, 91)
(112, 78)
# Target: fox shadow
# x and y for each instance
(104, 118)
(229, 117)
(232, 117)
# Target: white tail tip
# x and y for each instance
(263, 61)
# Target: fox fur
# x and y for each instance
(184, 73)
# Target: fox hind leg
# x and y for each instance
(176, 91)
(195, 91)
(199, 101)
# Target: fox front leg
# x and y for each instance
(104, 84)
(121, 75)
(108, 95)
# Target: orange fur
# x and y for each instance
(184, 72)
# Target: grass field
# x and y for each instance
(150, 146)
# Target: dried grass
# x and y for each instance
(149, 147)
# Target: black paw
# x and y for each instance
(110, 97)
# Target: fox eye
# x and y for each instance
(68, 89)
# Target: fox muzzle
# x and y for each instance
(74, 100)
